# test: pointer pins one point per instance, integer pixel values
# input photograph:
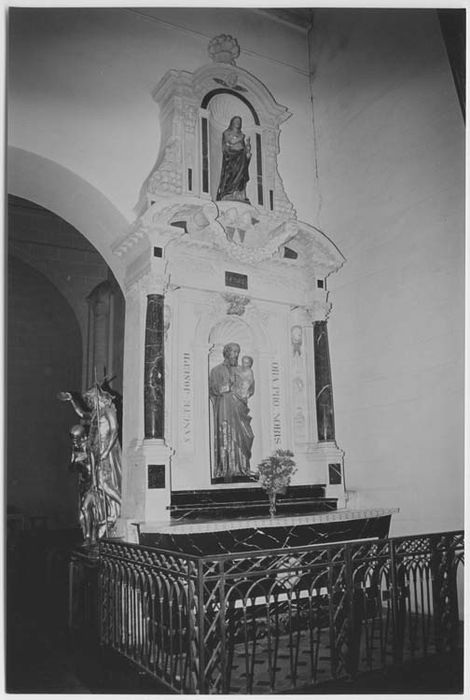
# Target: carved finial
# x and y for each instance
(224, 49)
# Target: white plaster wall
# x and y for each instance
(81, 83)
(390, 138)
(389, 161)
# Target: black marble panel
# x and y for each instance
(241, 511)
(156, 476)
(236, 279)
(232, 479)
(154, 382)
(323, 385)
(219, 496)
(334, 474)
(259, 169)
(270, 537)
(205, 155)
(239, 503)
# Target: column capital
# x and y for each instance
(149, 284)
(309, 313)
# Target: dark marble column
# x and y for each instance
(323, 386)
(154, 382)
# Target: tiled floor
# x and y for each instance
(434, 675)
(40, 657)
(41, 662)
(38, 662)
(442, 672)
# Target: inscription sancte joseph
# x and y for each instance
(187, 398)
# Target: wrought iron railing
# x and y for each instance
(274, 620)
(83, 599)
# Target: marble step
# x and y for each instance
(246, 502)
(230, 495)
(248, 510)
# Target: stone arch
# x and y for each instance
(60, 190)
(224, 91)
(231, 329)
(253, 90)
(251, 320)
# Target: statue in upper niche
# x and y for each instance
(236, 155)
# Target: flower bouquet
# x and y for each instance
(274, 475)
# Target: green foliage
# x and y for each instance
(275, 472)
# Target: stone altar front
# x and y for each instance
(204, 273)
(257, 534)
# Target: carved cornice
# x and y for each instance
(146, 281)
(165, 213)
(238, 231)
(321, 255)
(315, 311)
(243, 232)
(130, 240)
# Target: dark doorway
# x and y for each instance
(56, 325)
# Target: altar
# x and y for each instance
(227, 307)
(258, 534)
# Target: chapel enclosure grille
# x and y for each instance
(279, 619)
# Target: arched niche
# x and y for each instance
(195, 108)
(247, 331)
(217, 109)
(232, 329)
(214, 330)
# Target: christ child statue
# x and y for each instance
(244, 381)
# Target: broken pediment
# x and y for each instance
(237, 231)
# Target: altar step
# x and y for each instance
(234, 503)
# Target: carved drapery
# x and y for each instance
(323, 386)
(154, 382)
